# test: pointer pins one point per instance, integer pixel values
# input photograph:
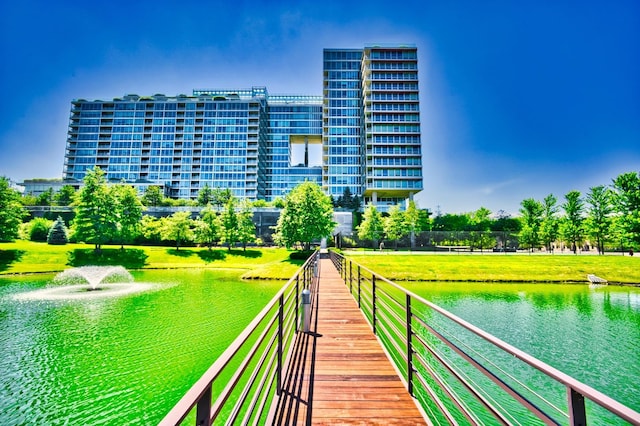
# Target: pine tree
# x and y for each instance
(58, 233)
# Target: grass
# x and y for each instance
(23, 257)
(506, 268)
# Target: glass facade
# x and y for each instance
(363, 133)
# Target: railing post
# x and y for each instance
(373, 302)
(203, 411)
(350, 276)
(297, 298)
(359, 307)
(409, 347)
(280, 326)
(577, 413)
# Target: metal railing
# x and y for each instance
(241, 384)
(460, 373)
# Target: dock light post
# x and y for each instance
(306, 310)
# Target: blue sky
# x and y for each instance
(519, 99)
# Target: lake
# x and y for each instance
(129, 359)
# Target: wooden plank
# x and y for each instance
(345, 376)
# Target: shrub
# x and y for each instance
(301, 254)
(37, 229)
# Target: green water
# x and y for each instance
(127, 360)
(124, 360)
(592, 334)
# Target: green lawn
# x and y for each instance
(492, 267)
(28, 257)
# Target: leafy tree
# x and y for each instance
(228, 224)
(220, 197)
(549, 226)
(246, 227)
(178, 228)
(28, 200)
(627, 205)
(278, 203)
(598, 223)
(372, 226)
(480, 220)
(96, 218)
(152, 196)
(151, 229)
(424, 220)
(129, 212)
(58, 233)
(531, 218)
(11, 211)
(65, 196)
(572, 229)
(46, 198)
(395, 225)
(505, 223)
(451, 222)
(307, 215)
(205, 195)
(207, 226)
(412, 221)
(259, 203)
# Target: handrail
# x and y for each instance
(262, 350)
(423, 360)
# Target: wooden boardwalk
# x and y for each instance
(340, 374)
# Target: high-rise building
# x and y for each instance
(362, 133)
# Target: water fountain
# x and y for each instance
(94, 276)
(88, 282)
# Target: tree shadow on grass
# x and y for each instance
(248, 253)
(212, 255)
(180, 253)
(7, 257)
(129, 258)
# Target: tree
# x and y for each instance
(480, 220)
(207, 226)
(228, 224)
(372, 226)
(96, 218)
(177, 227)
(412, 221)
(531, 218)
(571, 228)
(307, 216)
(46, 198)
(11, 211)
(220, 197)
(598, 223)
(152, 196)
(58, 233)
(151, 229)
(65, 196)
(549, 225)
(205, 195)
(395, 225)
(129, 212)
(246, 227)
(627, 205)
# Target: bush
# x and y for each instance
(36, 229)
(301, 254)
